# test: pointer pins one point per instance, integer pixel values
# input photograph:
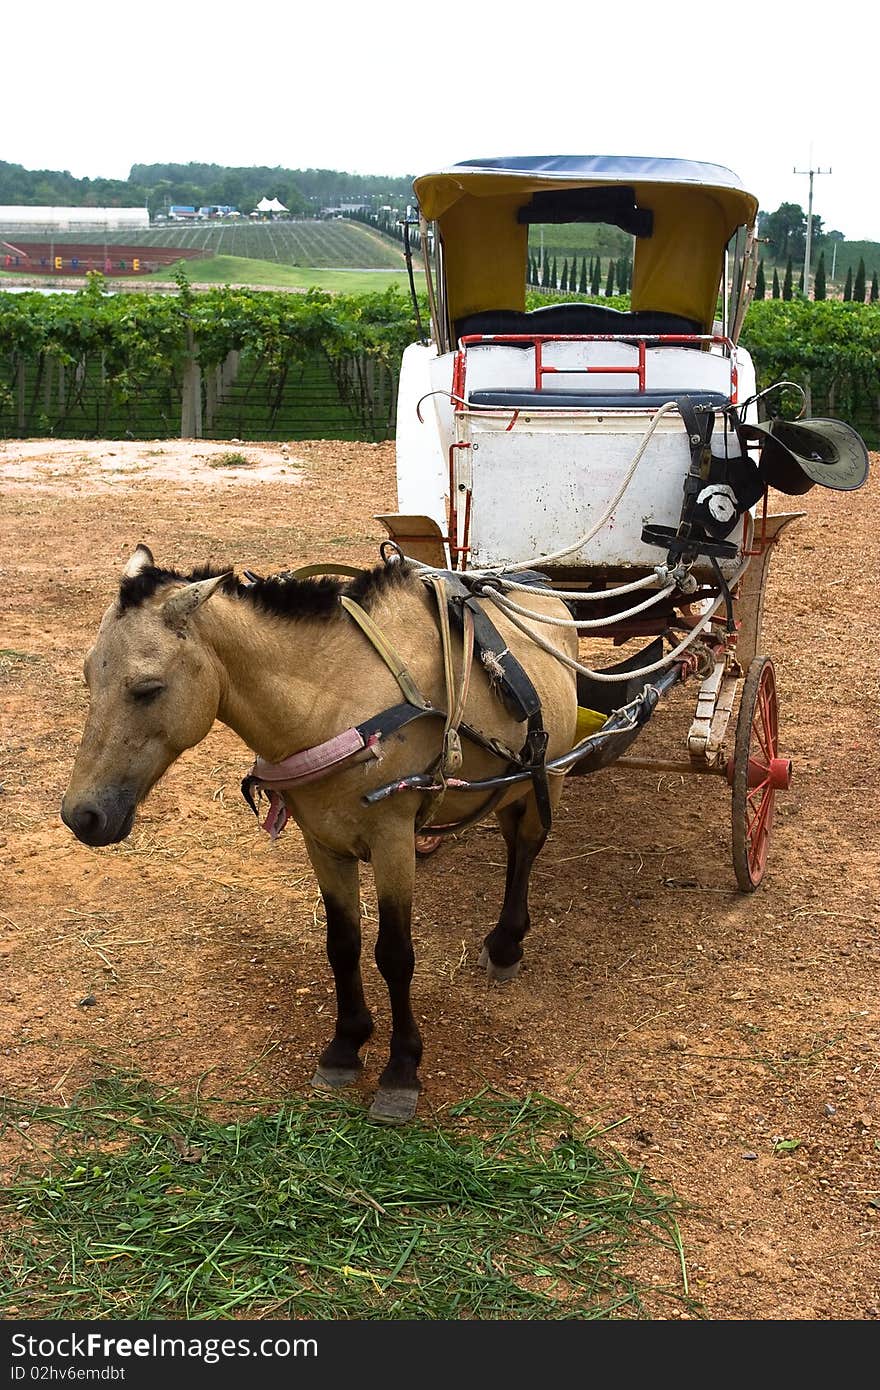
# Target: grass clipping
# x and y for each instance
(151, 1209)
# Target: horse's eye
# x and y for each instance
(146, 691)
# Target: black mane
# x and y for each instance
(280, 594)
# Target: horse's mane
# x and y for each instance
(280, 594)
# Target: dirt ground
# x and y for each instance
(733, 1040)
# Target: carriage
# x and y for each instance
(625, 453)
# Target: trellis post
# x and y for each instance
(191, 401)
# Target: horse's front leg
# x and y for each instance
(394, 862)
(339, 1063)
(524, 836)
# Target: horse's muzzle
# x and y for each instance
(102, 821)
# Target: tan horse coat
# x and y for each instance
(164, 667)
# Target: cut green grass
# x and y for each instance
(240, 270)
(152, 1208)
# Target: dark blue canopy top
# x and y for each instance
(616, 167)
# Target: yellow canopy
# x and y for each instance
(696, 209)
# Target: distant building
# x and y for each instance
(48, 219)
(179, 212)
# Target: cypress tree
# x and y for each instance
(819, 289)
(875, 288)
(584, 286)
(554, 278)
(563, 284)
(609, 283)
(545, 270)
(848, 288)
(775, 283)
(760, 286)
(787, 281)
(859, 283)
(597, 272)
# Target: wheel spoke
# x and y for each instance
(768, 715)
(763, 726)
(759, 824)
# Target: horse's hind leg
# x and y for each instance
(524, 836)
(393, 862)
(339, 1063)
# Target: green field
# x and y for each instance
(580, 239)
(335, 244)
(241, 270)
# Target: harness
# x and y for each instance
(457, 606)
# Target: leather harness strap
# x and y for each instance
(395, 664)
(505, 674)
(509, 679)
(451, 757)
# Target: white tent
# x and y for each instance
(270, 205)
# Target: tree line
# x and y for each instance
(856, 289)
(158, 186)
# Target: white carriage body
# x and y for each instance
(539, 476)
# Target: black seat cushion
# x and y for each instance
(574, 318)
(523, 399)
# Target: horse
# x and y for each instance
(280, 661)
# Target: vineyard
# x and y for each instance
(247, 364)
(224, 364)
(308, 243)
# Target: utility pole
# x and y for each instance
(811, 172)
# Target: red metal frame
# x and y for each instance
(538, 340)
(456, 550)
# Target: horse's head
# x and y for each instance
(154, 691)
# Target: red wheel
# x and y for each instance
(756, 772)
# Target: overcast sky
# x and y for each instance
(375, 87)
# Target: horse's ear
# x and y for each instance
(141, 559)
(183, 602)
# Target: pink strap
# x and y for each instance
(311, 762)
(277, 816)
(306, 766)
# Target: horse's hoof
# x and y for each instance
(395, 1107)
(427, 844)
(335, 1077)
(501, 973)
